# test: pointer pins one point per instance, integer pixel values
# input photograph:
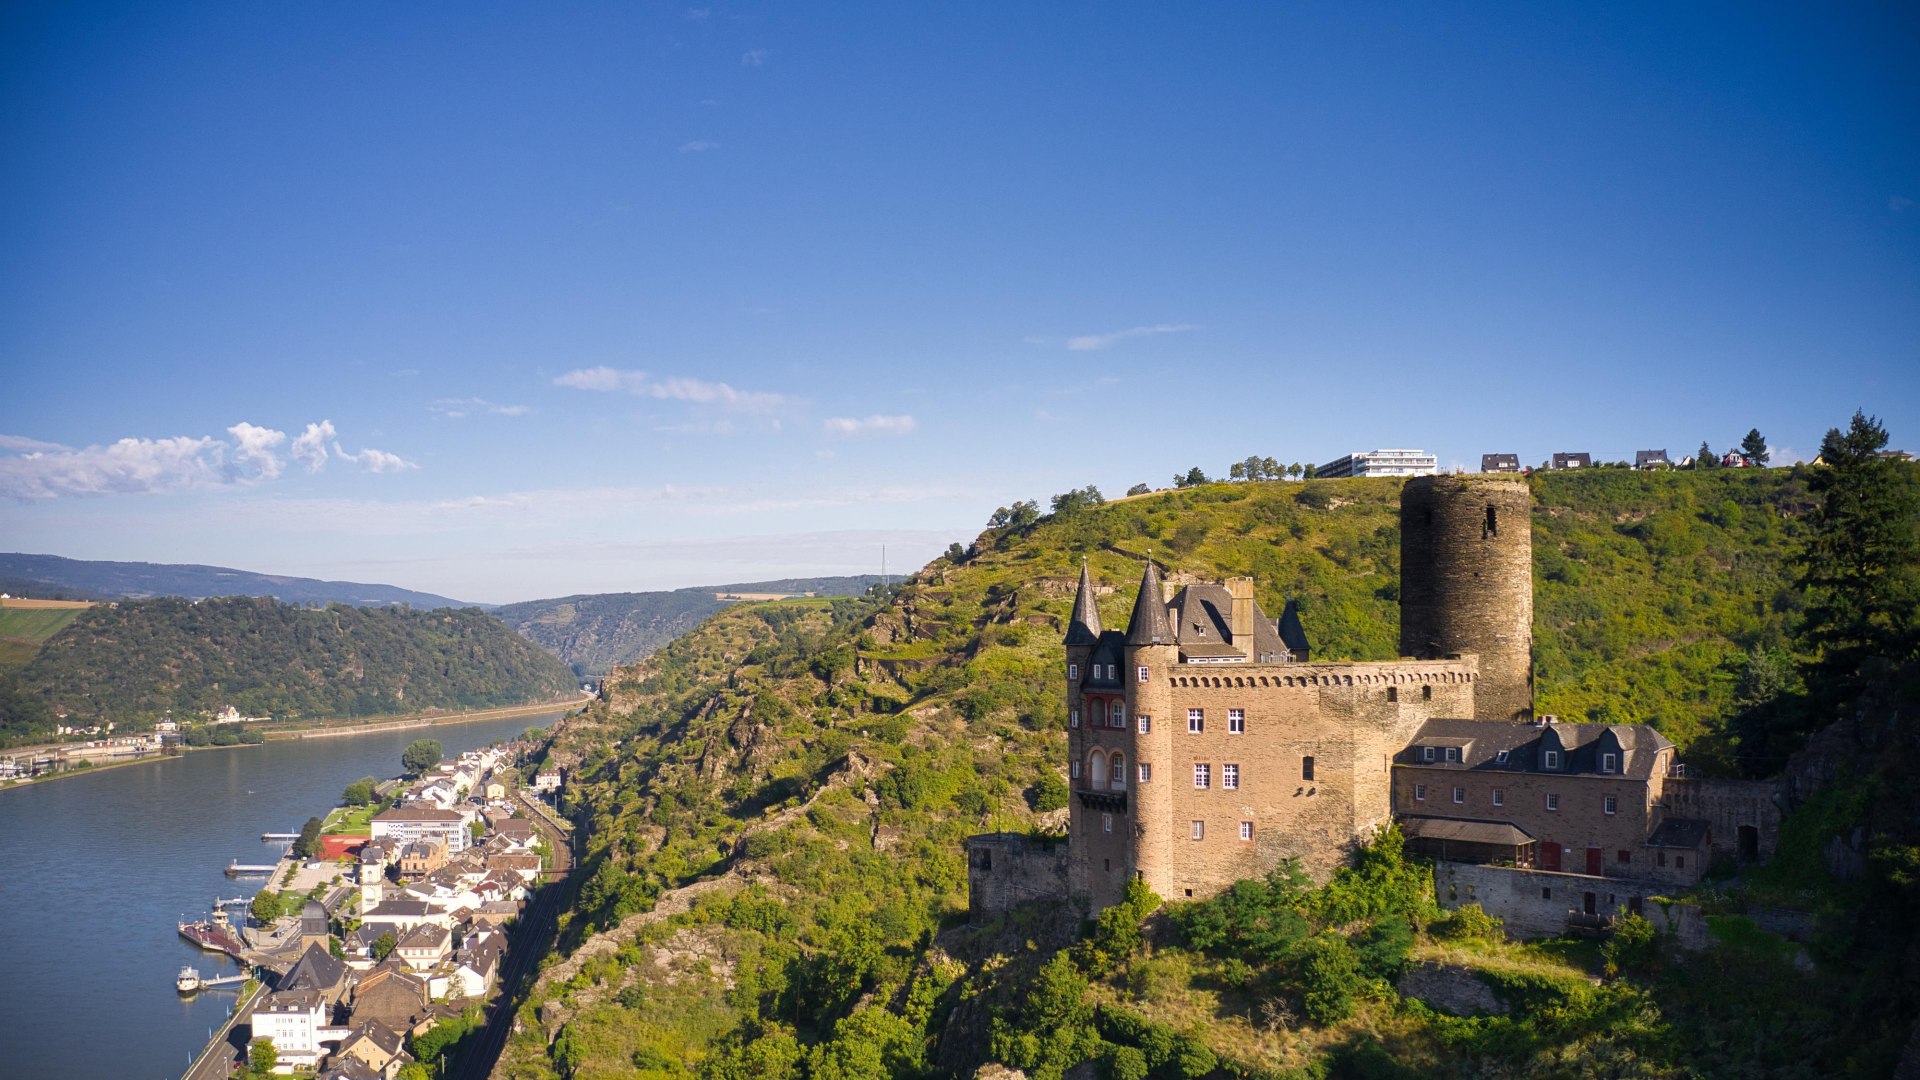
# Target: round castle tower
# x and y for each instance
(1466, 583)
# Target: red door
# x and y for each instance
(1549, 855)
(1593, 861)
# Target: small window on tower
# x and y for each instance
(1118, 716)
(1246, 830)
(1306, 768)
(1199, 833)
(1073, 717)
(1236, 721)
(1106, 822)
(1426, 693)
(1073, 671)
(1143, 722)
(1493, 522)
(1196, 721)
(1393, 693)
(1143, 673)
(1146, 773)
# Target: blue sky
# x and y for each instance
(510, 300)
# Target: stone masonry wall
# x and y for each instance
(1005, 870)
(1729, 805)
(1537, 903)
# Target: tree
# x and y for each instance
(1705, 460)
(1861, 567)
(1237, 471)
(1754, 448)
(1271, 469)
(1139, 489)
(308, 845)
(383, 945)
(1049, 792)
(832, 663)
(265, 907)
(1077, 499)
(1309, 471)
(262, 1056)
(421, 755)
(360, 792)
(1193, 477)
(1293, 470)
(955, 553)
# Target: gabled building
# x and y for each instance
(1565, 460)
(1651, 459)
(318, 970)
(1499, 463)
(377, 1048)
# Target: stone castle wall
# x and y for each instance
(1006, 870)
(1466, 582)
(1729, 806)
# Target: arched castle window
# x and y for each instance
(1098, 770)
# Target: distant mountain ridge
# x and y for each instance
(84, 579)
(594, 632)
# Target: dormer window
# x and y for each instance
(1609, 763)
(1500, 758)
(1551, 759)
(1453, 753)
(1426, 753)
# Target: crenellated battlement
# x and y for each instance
(1304, 676)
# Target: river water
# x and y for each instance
(95, 871)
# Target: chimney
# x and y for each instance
(1241, 590)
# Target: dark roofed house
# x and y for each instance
(1651, 459)
(317, 970)
(1509, 463)
(376, 1047)
(1564, 460)
(392, 997)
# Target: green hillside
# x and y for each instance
(774, 803)
(24, 630)
(135, 661)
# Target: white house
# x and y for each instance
(295, 1022)
(396, 828)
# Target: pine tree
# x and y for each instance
(1706, 460)
(1862, 562)
(1754, 447)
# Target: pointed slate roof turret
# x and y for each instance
(1292, 634)
(1149, 624)
(1085, 627)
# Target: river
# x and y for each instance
(95, 871)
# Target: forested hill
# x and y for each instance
(774, 803)
(594, 632)
(51, 576)
(134, 661)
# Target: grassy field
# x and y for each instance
(351, 821)
(24, 628)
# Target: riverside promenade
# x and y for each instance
(226, 1045)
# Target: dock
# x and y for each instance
(236, 868)
(271, 837)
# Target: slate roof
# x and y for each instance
(347, 1067)
(1084, 629)
(400, 909)
(1499, 463)
(424, 936)
(1292, 634)
(1688, 833)
(1503, 833)
(417, 813)
(1482, 742)
(389, 1041)
(315, 970)
(1148, 624)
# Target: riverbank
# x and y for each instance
(315, 730)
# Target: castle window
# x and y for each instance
(1499, 796)
(1420, 793)
(1196, 721)
(1143, 722)
(1393, 693)
(1199, 833)
(1146, 773)
(1453, 753)
(1679, 862)
(1611, 805)
(1546, 893)
(1552, 758)
(1117, 716)
(1493, 523)
(1659, 858)
(1143, 673)
(1623, 856)
(1459, 796)
(1500, 758)
(1426, 753)
(1553, 801)
(1097, 771)
(1073, 671)
(1106, 822)
(1426, 693)
(1074, 766)
(1118, 772)
(1306, 768)
(1073, 718)
(1236, 721)
(1246, 830)
(1609, 763)
(1202, 775)
(1230, 777)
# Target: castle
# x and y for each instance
(1206, 746)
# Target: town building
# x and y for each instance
(294, 1021)
(1565, 460)
(1499, 463)
(1381, 463)
(1651, 459)
(396, 828)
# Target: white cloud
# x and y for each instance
(698, 146)
(455, 408)
(310, 447)
(870, 425)
(254, 448)
(21, 442)
(698, 391)
(150, 466)
(1092, 342)
(755, 57)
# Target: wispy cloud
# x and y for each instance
(755, 57)
(870, 425)
(676, 388)
(456, 408)
(21, 442)
(249, 455)
(698, 146)
(1094, 342)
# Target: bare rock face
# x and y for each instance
(1456, 991)
(998, 1072)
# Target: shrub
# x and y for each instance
(1633, 946)
(1328, 975)
(1469, 922)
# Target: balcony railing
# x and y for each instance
(1113, 801)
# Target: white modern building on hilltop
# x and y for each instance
(1381, 463)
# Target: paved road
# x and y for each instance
(217, 1061)
(532, 936)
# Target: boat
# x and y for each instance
(215, 934)
(188, 980)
